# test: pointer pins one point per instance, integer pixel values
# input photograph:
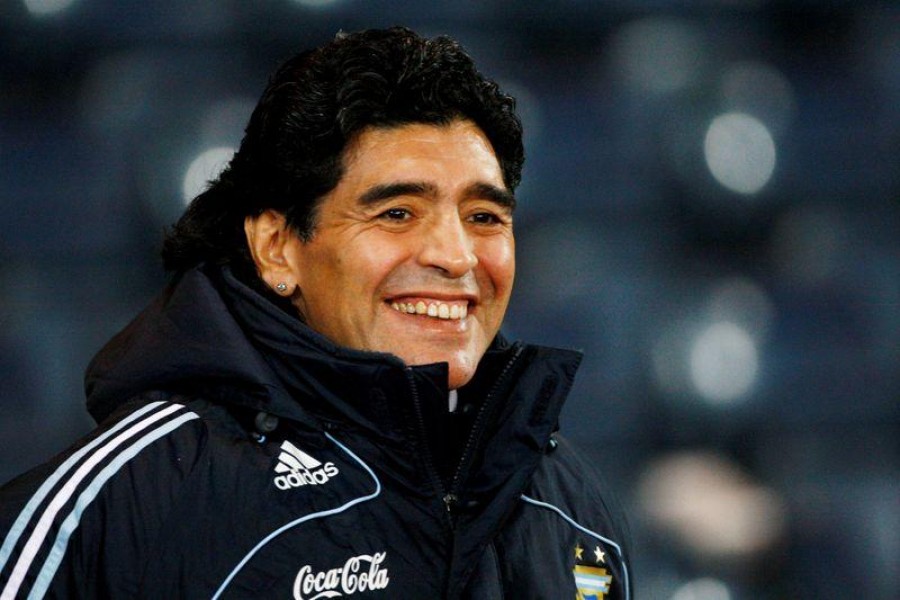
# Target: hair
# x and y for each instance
(292, 151)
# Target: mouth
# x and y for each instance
(446, 310)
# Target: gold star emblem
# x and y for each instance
(578, 552)
(600, 554)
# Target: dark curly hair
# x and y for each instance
(291, 154)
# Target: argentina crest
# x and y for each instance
(593, 579)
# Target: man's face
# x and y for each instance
(413, 251)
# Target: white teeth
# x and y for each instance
(433, 309)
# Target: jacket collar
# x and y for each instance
(209, 333)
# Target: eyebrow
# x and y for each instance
(379, 193)
(500, 196)
(386, 191)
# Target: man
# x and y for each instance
(320, 404)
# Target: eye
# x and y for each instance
(485, 218)
(395, 214)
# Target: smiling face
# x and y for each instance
(413, 251)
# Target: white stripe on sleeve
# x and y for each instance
(87, 496)
(25, 516)
(37, 538)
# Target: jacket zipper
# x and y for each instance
(426, 452)
(451, 498)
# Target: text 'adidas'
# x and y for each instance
(297, 468)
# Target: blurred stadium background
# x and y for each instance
(710, 210)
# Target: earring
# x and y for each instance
(281, 287)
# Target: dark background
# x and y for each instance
(709, 210)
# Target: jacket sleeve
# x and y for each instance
(80, 525)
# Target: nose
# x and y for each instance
(449, 247)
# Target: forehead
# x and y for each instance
(458, 150)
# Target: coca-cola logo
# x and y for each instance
(359, 574)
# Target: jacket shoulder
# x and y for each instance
(566, 477)
(117, 483)
(571, 490)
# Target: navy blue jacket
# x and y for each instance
(242, 455)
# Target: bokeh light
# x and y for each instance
(315, 3)
(740, 152)
(712, 353)
(659, 55)
(724, 362)
(707, 503)
(203, 169)
(742, 301)
(705, 588)
(43, 8)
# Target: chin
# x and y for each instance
(461, 364)
(459, 377)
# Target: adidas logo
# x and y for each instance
(297, 468)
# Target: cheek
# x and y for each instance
(499, 262)
(380, 263)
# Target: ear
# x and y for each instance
(268, 238)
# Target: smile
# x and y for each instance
(435, 309)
